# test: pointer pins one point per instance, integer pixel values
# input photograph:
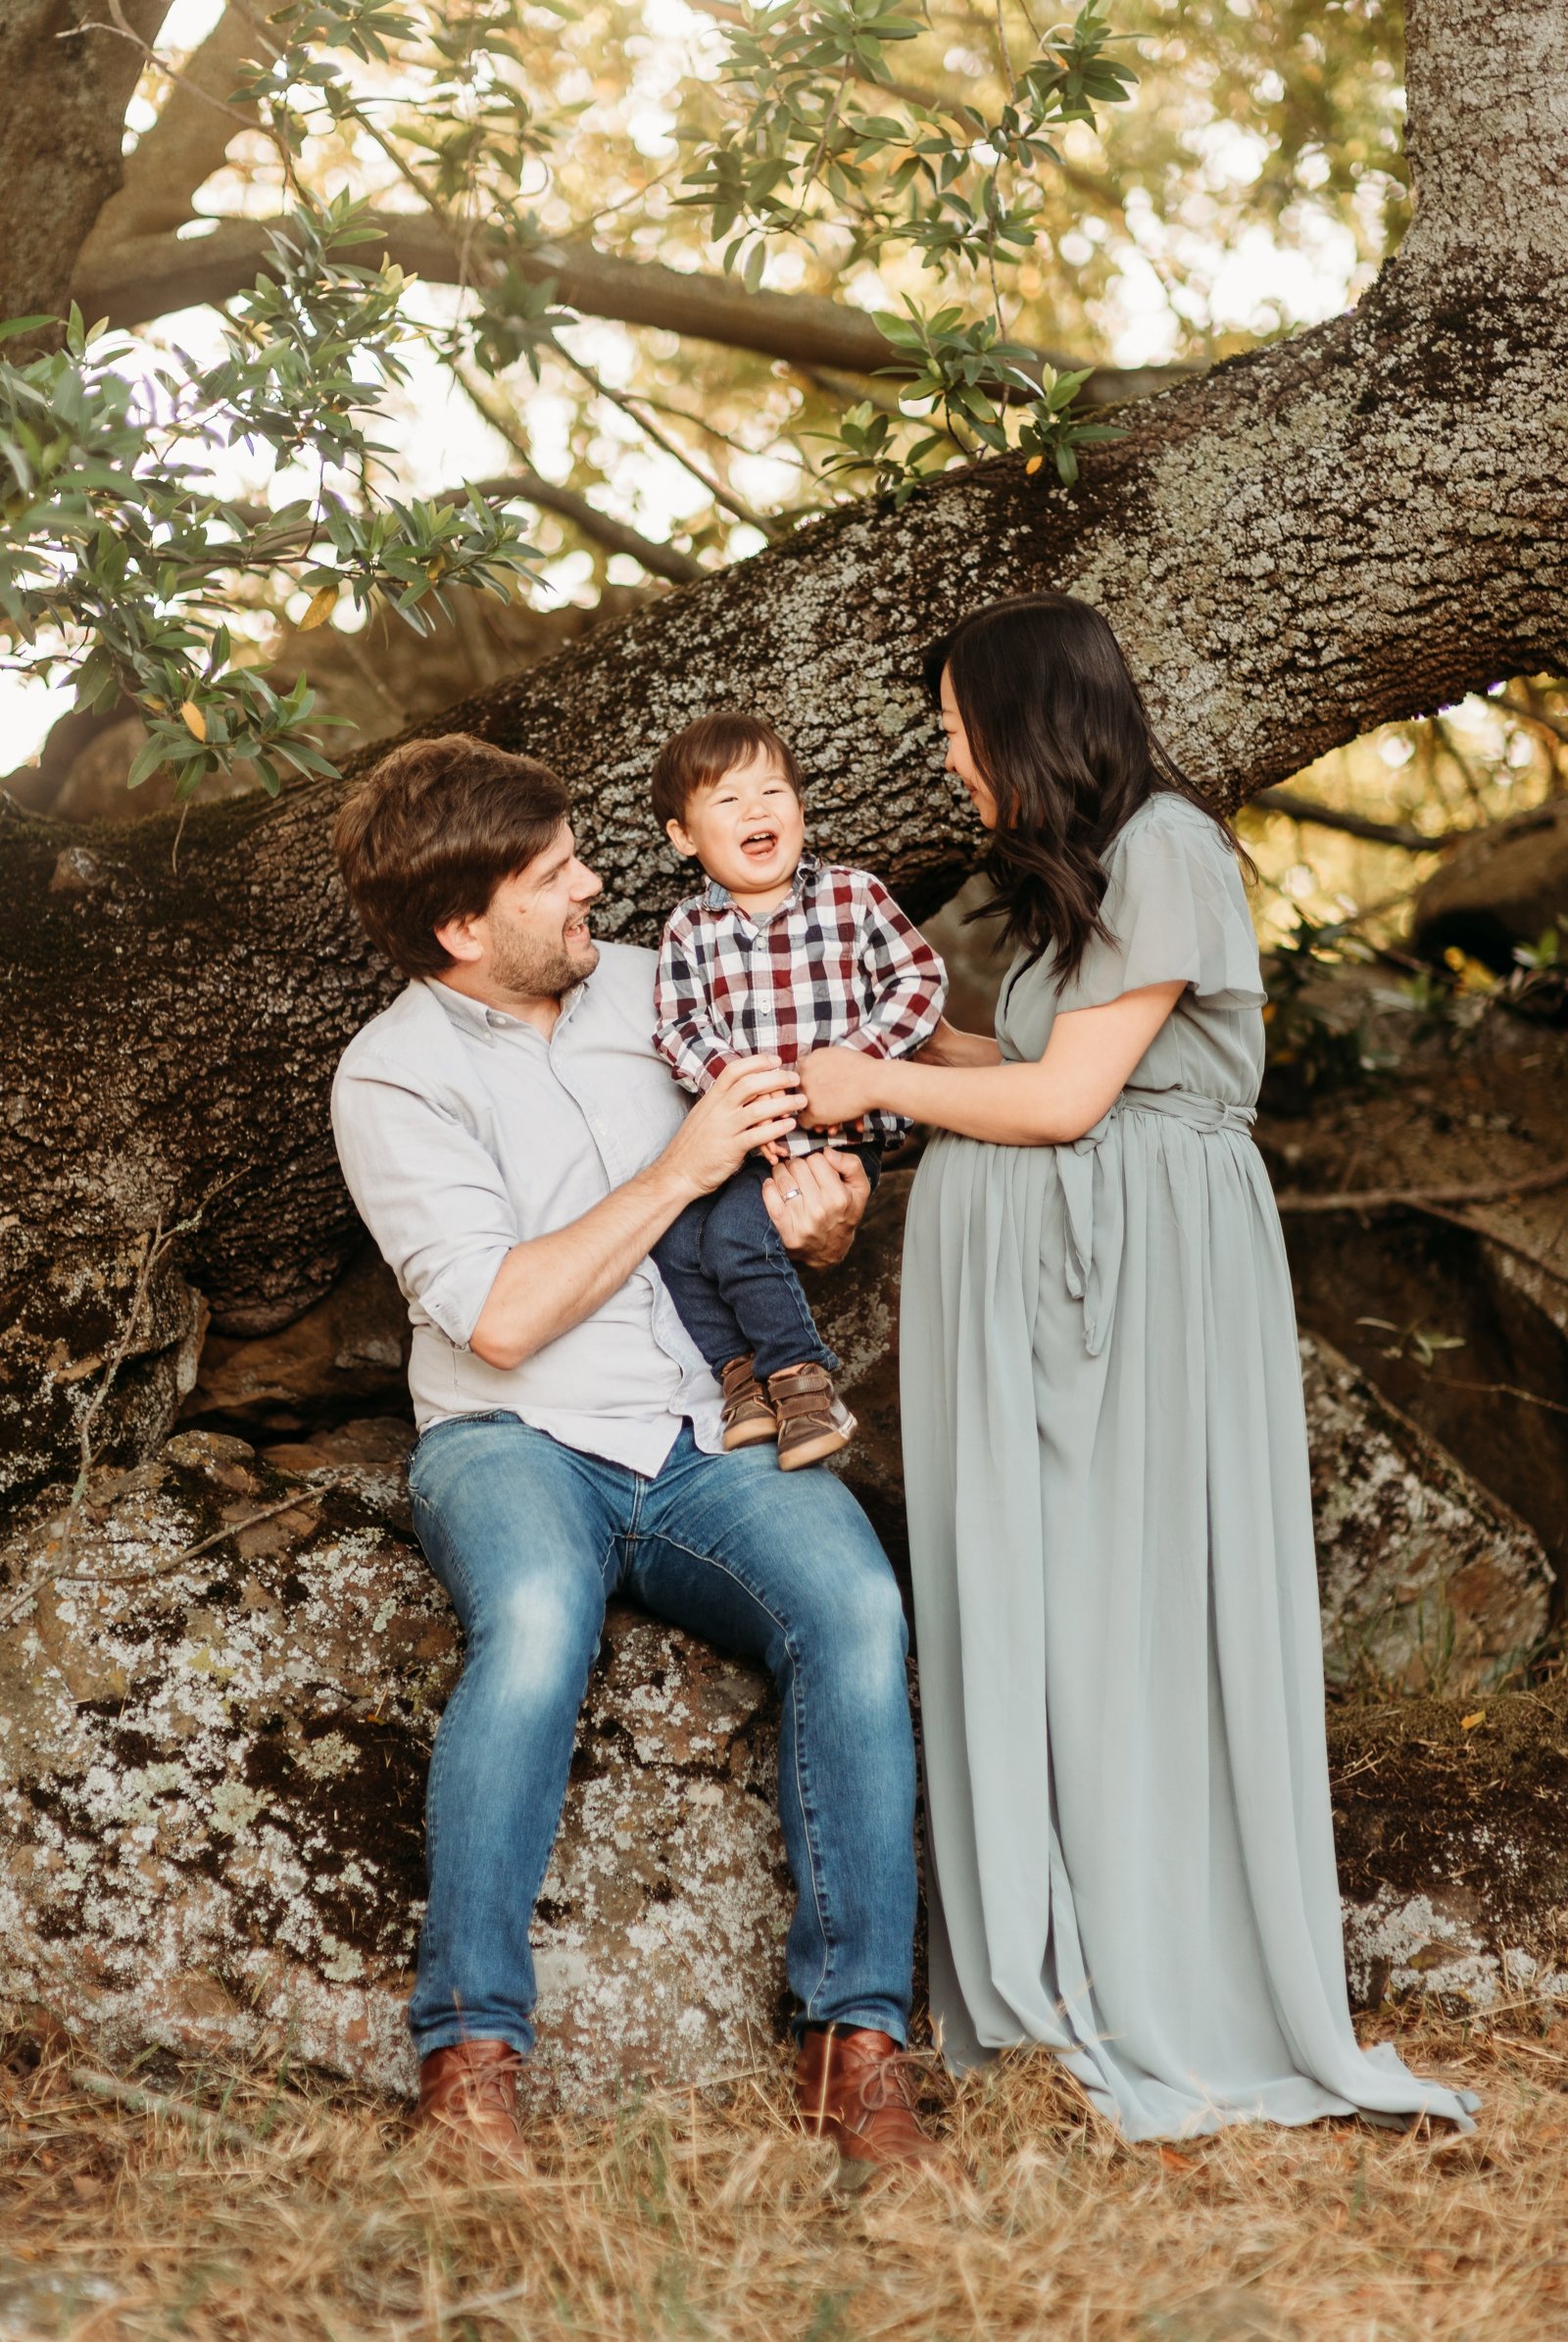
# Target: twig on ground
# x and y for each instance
(1443, 1203)
(1535, 1398)
(166, 1569)
(138, 2101)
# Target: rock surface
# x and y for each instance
(211, 1761)
(1505, 886)
(211, 1782)
(1452, 1832)
(57, 1339)
(346, 1355)
(1427, 1582)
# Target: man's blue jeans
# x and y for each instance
(529, 1538)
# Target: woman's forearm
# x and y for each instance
(1011, 1106)
(1047, 1101)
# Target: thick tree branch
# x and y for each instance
(146, 276)
(64, 90)
(185, 145)
(1359, 525)
(1401, 833)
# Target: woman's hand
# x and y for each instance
(816, 1203)
(839, 1085)
(948, 1046)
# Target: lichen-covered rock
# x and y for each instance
(63, 1319)
(1451, 1825)
(1427, 1581)
(211, 1782)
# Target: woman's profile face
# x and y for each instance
(961, 759)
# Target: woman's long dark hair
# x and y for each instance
(1061, 736)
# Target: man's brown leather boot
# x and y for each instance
(855, 2089)
(469, 2092)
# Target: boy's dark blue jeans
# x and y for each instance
(727, 1272)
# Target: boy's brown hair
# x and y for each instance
(708, 748)
(431, 832)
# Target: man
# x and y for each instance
(516, 1147)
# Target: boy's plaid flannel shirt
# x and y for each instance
(837, 962)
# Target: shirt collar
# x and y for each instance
(484, 1023)
(805, 869)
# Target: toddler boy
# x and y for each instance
(778, 953)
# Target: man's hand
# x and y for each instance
(815, 1201)
(753, 1101)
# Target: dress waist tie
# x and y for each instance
(1095, 1205)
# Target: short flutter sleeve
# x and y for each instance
(1176, 913)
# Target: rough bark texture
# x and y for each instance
(1353, 525)
(64, 90)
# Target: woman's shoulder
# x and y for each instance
(1171, 819)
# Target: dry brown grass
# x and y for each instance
(310, 2214)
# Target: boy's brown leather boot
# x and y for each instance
(748, 1417)
(856, 2087)
(812, 1419)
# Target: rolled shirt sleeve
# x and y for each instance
(430, 1195)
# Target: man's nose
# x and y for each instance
(587, 884)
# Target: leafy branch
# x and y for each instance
(122, 564)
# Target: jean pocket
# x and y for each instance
(435, 1437)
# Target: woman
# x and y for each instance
(1104, 1444)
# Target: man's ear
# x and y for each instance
(681, 839)
(459, 941)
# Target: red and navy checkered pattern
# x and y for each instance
(837, 962)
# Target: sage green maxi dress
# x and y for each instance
(1132, 1855)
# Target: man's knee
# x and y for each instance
(849, 1613)
(540, 1633)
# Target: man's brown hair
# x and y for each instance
(431, 832)
(708, 748)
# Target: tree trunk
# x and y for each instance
(66, 79)
(1361, 523)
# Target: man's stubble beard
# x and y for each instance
(539, 971)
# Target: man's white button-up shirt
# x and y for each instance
(463, 1132)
